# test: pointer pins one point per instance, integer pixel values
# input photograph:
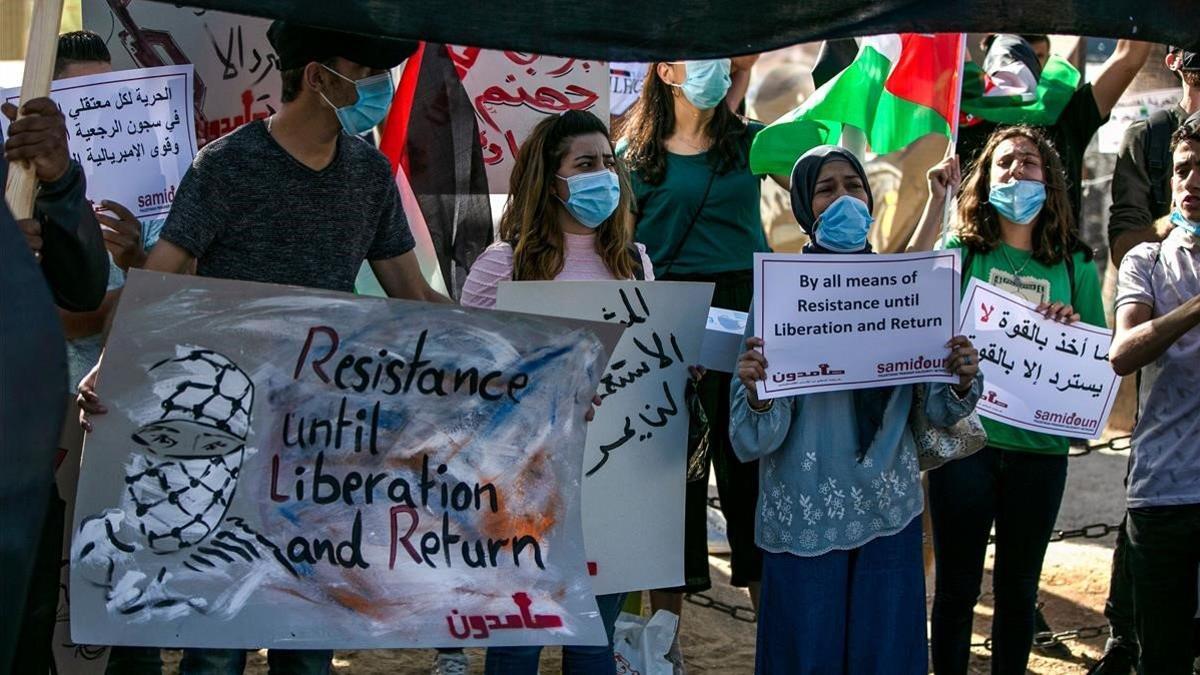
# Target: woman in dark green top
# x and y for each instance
(698, 215)
(1016, 231)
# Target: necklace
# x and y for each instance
(269, 120)
(1015, 270)
(699, 148)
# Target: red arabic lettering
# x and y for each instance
(219, 127)
(546, 100)
(480, 626)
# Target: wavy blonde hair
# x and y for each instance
(530, 223)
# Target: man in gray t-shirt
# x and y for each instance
(1158, 332)
(296, 199)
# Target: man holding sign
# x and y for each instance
(840, 491)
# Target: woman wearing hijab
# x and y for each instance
(843, 587)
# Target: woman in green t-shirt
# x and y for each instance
(1017, 232)
(697, 211)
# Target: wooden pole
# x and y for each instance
(39, 70)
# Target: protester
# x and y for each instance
(1017, 232)
(1141, 196)
(1086, 111)
(83, 53)
(1158, 312)
(1141, 190)
(567, 218)
(853, 599)
(296, 199)
(697, 211)
(64, 239)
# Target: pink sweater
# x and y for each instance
(494, 265)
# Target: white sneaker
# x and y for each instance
(450, 663)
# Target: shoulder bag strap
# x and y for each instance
(712, 174)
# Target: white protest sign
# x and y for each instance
(131, 131)
(1039, 375)
(625, 85)
(832, 322)
(634, 462)
(513, 91)
(1133, 107)
(237, 72)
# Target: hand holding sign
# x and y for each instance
(39, 138)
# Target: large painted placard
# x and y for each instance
(285, 467)
(634, 464)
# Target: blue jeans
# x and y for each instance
(857, 612)
(1021, 493)
(576, 660)
(233, 661)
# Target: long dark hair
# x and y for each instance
(529, 223)
(1054, 235)
(652, 120)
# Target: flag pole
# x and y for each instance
(952, 147)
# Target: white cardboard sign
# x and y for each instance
(835, 322)
(634, 461)
(1038, 374)
(132, 131)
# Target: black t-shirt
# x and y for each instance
(1076, 125)
(248, 210)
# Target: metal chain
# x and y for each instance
(1055, 638)
(1114, 444)
(741, 613)
(1094, 531)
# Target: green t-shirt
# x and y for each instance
(1037, 283)
(728, 231)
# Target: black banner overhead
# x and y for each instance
(654, 30)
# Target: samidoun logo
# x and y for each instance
(1066, 420)
(992, 398)
(823, 370)
(919, 364)
(156, 200)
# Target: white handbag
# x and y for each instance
(938, 445)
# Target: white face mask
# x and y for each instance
(173, 513)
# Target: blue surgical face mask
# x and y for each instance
(1179, 220)
(706, 83)
(844, 225)
(1019, 201)
(374, 97)
(592, 197)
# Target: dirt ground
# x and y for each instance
(1074, 587)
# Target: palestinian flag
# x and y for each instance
(432, 139)
(1005, 96)
(898, 89)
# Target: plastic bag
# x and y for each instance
(640, 647)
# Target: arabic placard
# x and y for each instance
(131, 131)
(236, 70)
(1039, 375)
(284, 467)
(833, 322)
(1133, 107)
(513, 91)
(634, 464)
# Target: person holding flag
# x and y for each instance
(1016, 231)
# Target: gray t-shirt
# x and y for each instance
(248, 210)
(1166, 441)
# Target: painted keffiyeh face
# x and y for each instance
(183, 472)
